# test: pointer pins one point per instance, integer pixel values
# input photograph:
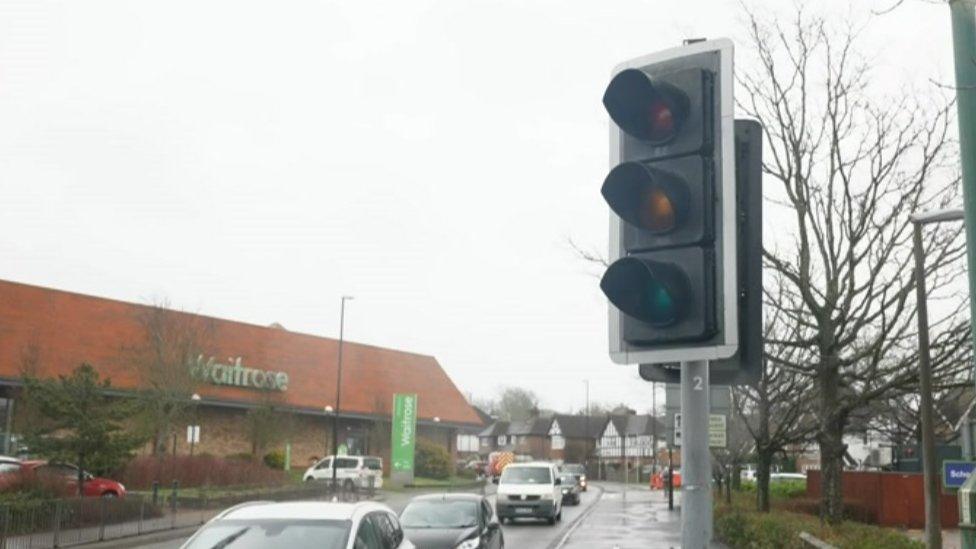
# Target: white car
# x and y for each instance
(302, 524)
(351, 471)
(529, 490)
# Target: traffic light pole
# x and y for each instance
(963, 14)
(696, 486)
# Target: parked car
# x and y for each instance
(780, 477)
(68, 474)
(577, 469)
(351, 471)
(300, 524)
(570, 487)
(529, 490)
(451, 521)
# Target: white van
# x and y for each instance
(529, 490)
(351, 471)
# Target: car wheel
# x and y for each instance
(551, 520)
(348, 485)
(559, 515)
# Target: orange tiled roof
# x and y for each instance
(67, 329)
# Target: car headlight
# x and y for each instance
(565, 490)
(473, 543)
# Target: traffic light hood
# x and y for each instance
(647, 110)
(651, 291)
(646, 197)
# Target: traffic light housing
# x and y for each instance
(745, 366)
(672, 279)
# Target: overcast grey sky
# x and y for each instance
(256, 160)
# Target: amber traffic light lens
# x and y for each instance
(656, 210)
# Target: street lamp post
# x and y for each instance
(335, 416)
(589, 449)
(933, 525)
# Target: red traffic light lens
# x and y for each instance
(660, 121)
(649, 110)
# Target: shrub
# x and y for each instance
(275, 459)
(140, 473)
(432, 460)
(781, 529)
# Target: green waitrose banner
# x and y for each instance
(404, 432)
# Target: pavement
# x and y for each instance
(628, 517)
(951, 537)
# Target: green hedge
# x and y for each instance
(431, 460)
(780, 488)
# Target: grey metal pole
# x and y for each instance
(933, 525)
(963, 17)
(696, 486)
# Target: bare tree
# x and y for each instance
(777, 412)
(846, 166)
(171, 342)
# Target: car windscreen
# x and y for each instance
(439, 513)
(575, 469)
(568, 478)
(526, 475)
(255, 534)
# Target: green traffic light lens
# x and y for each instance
(654, 292)
(659, 304)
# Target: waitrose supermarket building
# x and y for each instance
(239, 367)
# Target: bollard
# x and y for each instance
(101, 520)
(155, 492)
(172, 504)
(142, 514)
(6, 527)
(56, 541)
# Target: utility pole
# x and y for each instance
(335, 415)
(696, 487)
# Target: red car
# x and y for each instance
(93, 486)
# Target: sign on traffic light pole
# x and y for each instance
(673, 279)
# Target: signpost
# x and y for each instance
(955, 472)
(404, 436)
(717, 430)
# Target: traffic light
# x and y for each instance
(745, 366)
(672, 278)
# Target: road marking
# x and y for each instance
(579, 520)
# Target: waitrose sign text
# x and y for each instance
(404, 432)
(234, 373)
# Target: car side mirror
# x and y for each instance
(494, 480)
(559, 481)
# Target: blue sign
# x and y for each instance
(955, 473)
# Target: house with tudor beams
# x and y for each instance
(631, 444)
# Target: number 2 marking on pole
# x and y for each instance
(698, 383)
